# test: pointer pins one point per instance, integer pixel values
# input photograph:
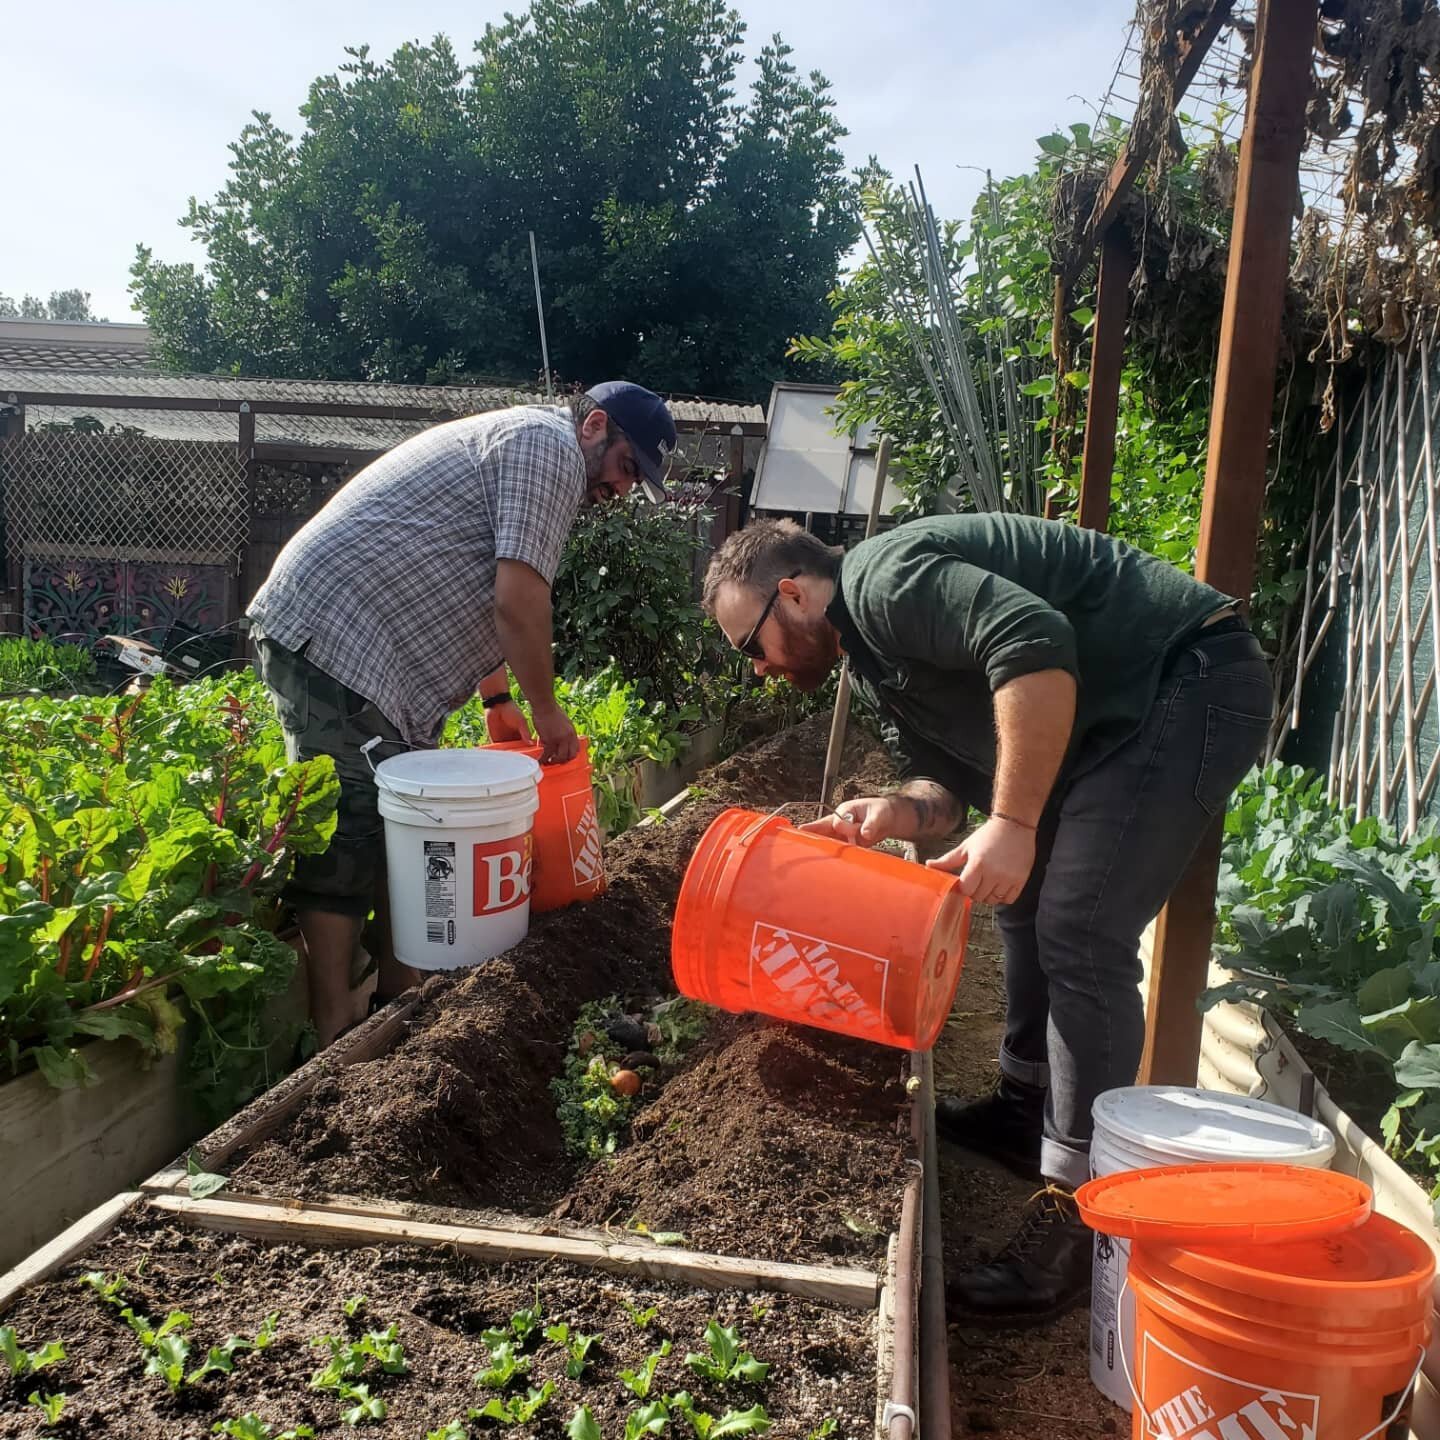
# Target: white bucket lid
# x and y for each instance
(1176, 1122)
(457, 774)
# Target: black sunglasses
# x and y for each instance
(749, 646)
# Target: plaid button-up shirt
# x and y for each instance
(391, 587)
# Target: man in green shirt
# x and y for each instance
(1098, 706)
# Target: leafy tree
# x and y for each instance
(62, 305)
(683, 237)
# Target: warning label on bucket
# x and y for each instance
(439, 892)
(1195, 1403)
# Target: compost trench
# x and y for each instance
(769, 1141)
(822, 1358)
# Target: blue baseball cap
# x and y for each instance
(648, 425)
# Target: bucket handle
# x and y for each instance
(365, 750)
(1380, 1429)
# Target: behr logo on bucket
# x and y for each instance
(502, 875)
(810, 973)
(1221, 1407)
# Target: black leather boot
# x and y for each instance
(1005, 1125)
(1043, 1272)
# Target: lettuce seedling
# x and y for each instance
(726, 1360)
(505, 1366)
(363, 1405)
(648, 1420)
(577, 1347)
(517, 1410)
(582, 1425)
(52, 1405)
(251, 1427)
(451, 1430)
(639, 1382)
(642, 1318)
(28, 1362)
(733, 1422)
(354, 1305)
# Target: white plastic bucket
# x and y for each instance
(457, 845)
(1140, 1126)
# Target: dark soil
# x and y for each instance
(823, 1358)
(814, 1116)
(460, 1112)
(1007, 1384)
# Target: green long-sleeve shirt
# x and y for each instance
(937, 615)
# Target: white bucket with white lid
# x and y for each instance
(1138, 1127)
(458, 851)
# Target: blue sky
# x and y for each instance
(116, 114)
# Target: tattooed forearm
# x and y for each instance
(937, 811)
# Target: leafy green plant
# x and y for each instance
(582, 1426)
(647, 1420)
(622, 727)
(725, 1359)
(450, 1430)
(354, 1305)
(625, 592)
(1332, 923)
(519, 1328)
(349, 1359)
(577, 1347)
(357, 1404)
(641, 1319)
(753, 1421)
(251, 1427)
(110, 1288)
(826, 1428)
(506, 1365)
(143, 845)
(593, 1115)
(28, 1362)
(640, 1382)
(517, 1409)
(51, 1406)
(42, 664)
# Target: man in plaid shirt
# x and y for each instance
(417, 585)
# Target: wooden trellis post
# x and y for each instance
(1240, 419)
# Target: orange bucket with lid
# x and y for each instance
(568, 865)
(1270, 1302)
(809, 929)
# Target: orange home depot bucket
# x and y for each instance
(1306, 1316)
(568, 864)
(809, 929)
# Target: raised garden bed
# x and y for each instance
(769, 1141)
(778, 1160)
(823, 1356)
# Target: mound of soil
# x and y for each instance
(460, 1112)
(775, 1141)
(823, 1358)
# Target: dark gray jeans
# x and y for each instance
(1111, 847)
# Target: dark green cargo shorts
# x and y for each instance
(320, 716)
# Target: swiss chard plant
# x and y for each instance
(143, 844)
(1332, 923)
(42, 664)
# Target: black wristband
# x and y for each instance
(488, 702)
